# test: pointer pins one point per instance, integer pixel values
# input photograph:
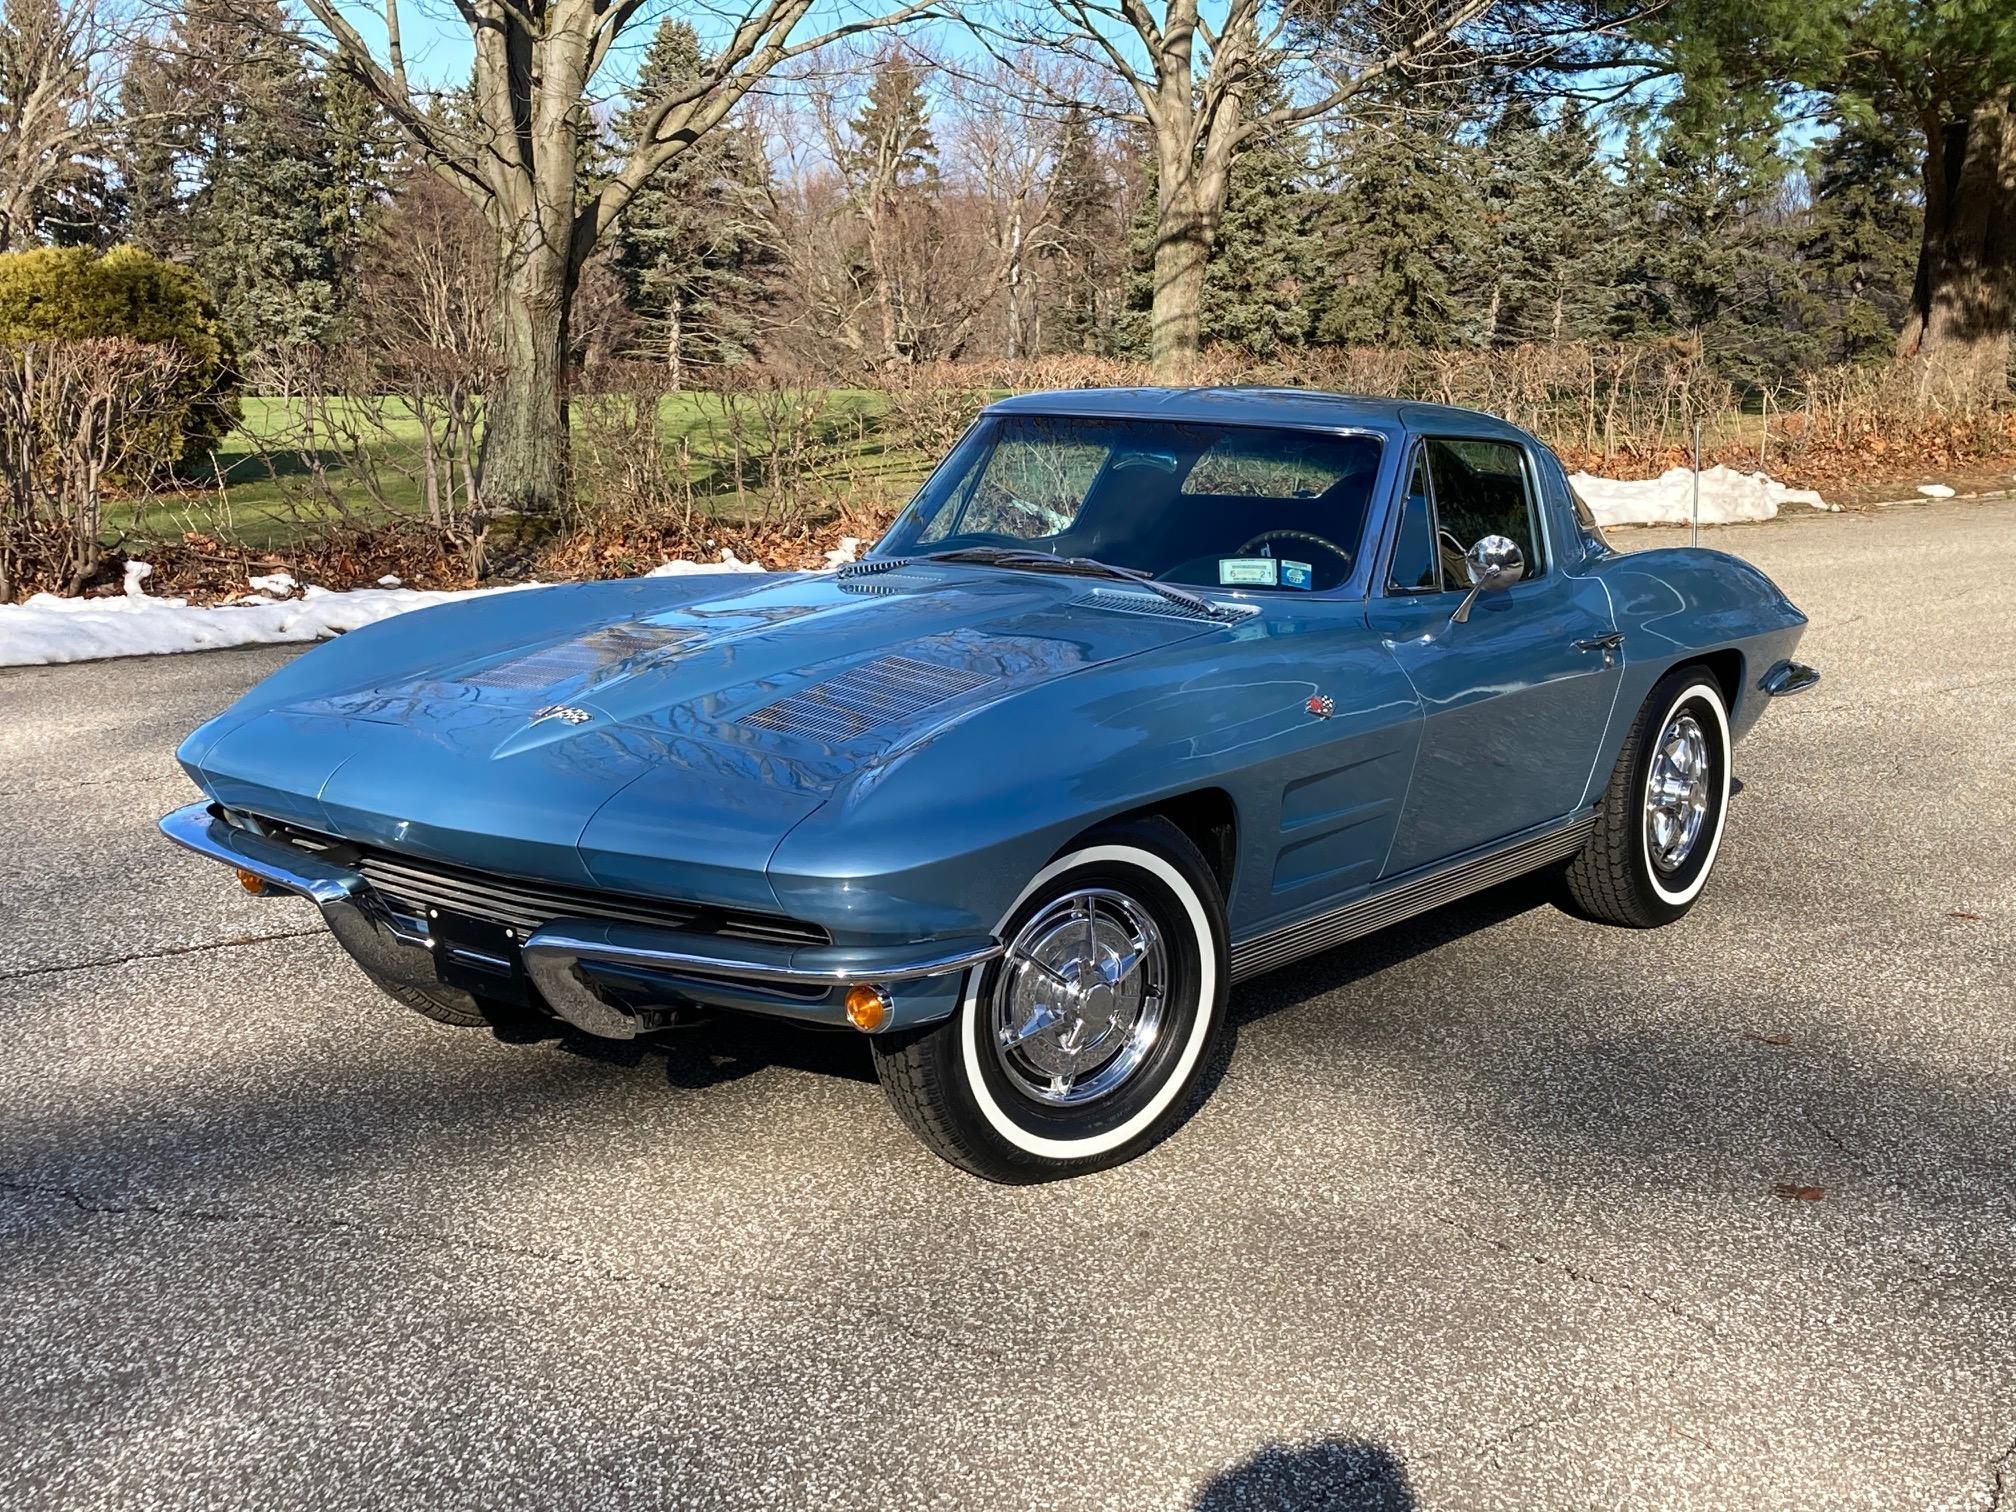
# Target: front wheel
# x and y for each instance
(1660, 822)
(1078, 1048)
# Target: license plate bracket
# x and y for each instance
(478, 956)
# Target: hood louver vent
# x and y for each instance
(591, 654)
(874, 693)
(895, 580)
(1128, 601)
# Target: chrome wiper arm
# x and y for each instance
(982, 554)
(1043, 561)
(1195, 602)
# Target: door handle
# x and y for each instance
(1604, 643)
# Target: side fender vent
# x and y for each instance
(874, 693)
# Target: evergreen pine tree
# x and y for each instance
(234, 174)
(1546, 259)
(361, 152)
(891, 164)
(1264, 260)
(1860, 248)
(693, 247)
(1719, 259)
(1399, 231)
(152, 146)
(1082, 253)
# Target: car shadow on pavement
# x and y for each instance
(1374, 953)
(1334, 1474)
(716, 1051)
(726, 1048)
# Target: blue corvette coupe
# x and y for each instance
(1145, 693)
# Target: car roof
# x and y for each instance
(1307, 409)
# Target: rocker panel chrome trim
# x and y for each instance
(1407, 896)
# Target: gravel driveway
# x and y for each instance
(1498, 1209)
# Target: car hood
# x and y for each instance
(699, 732)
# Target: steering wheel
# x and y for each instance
(1307, 536)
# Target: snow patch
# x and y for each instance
(47, 629)
(1935, 490)
(389, 581)
(849, 550)
(278, 584)
(1727, 497)
(729, 563)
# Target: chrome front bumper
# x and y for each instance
(1788, 678)
(567, 958)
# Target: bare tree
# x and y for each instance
(520, 159)
(1197, 83)
(76, 419)
(52, 80)
(1003, 136)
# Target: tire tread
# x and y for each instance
(1603, 878)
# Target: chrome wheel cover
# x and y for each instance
(1676, 793)
(1080, 997)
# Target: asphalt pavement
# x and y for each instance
(1496, 1209)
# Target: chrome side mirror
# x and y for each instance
(1494, 562)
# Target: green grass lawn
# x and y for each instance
(276, 476)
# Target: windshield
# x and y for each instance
(1204, 505)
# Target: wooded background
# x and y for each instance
(699, 270)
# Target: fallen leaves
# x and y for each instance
(1792, 1192)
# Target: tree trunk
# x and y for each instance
(1176, 309)
(675, 344)
(525, 430)
(1963, 301)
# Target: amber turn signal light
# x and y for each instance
(868, 1007)
(251, 881)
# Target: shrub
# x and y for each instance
(74, 414)
(64, 294)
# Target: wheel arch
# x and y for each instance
(1208, 818)
(1726, 665)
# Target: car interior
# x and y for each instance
(1177, 502)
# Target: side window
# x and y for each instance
(1416, 568)
(1481, 489)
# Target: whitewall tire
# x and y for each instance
(1080, 1046)
(1660, 823)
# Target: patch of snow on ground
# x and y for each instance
(1727, 497)
(849, 550)
(1935, 490)
(48, 629)
(278, 584)
(729, 563)
(389, 581)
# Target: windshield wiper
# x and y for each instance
(1042, 561)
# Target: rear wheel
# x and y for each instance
(1660, 823)
(1079, 1047)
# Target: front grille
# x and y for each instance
(413, 885)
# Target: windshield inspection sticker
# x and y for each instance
(1297, 575)
(1248, 572)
